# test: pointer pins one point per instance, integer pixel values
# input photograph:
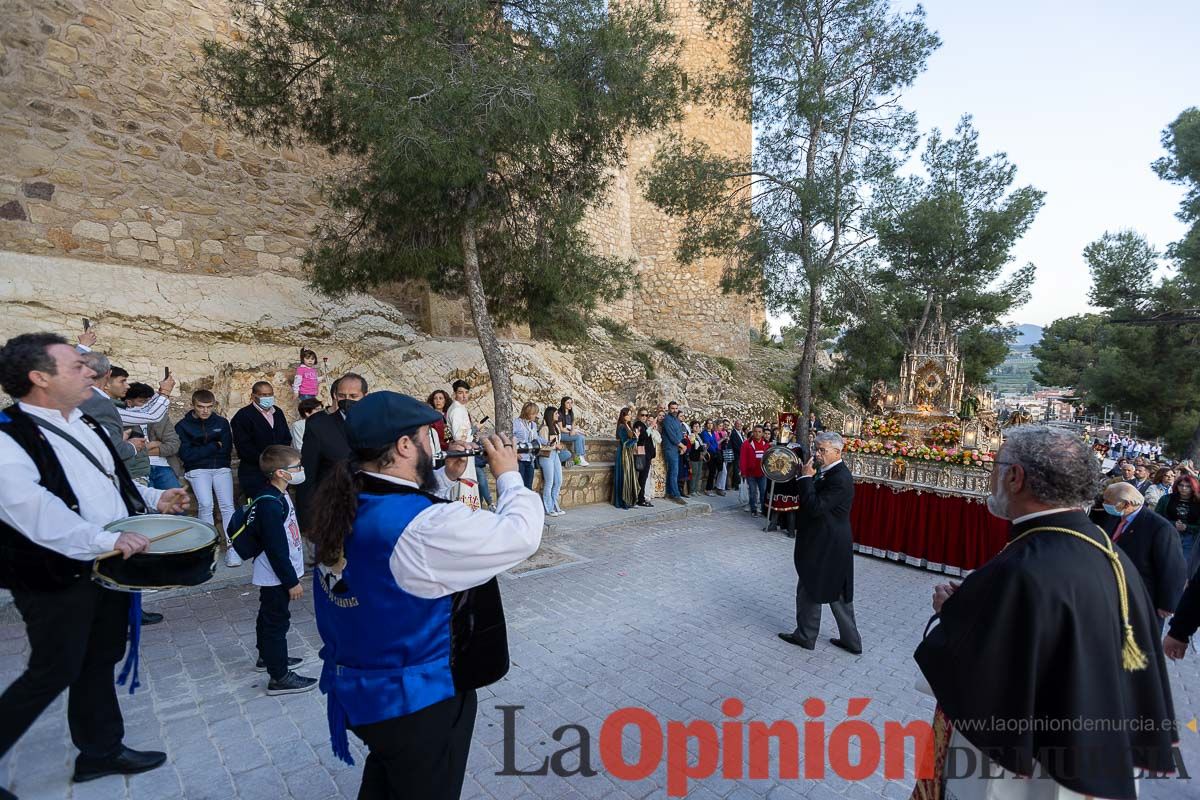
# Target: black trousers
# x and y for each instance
(271, 629)
(76, 637)
(642, 474)
(421, 756)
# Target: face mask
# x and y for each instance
(266, 402)
(997, 503)
(345, 405)
(295, 478)
(1111, 509)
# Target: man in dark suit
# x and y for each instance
(1141, 477)
(824, 552)
(325, 441)
(256, 427)
(1151, 544)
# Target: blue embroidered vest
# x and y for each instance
(388, 653)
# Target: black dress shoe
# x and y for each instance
(791, 639)
(151, 618)
(839, 643)
(5, 794)
(772, 527)
(126, 762)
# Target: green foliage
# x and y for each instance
(1069, 348)
(506, 116)
(644, 359)
(670, 347)
(727, 363)
(819, 80)
(946, 241)
(617, 330)
(1122, 266)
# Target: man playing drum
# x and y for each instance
(63, 482)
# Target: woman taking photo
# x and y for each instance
(549, 461)
(624, 471)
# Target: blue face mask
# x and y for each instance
(266, 402)
(1111, 509)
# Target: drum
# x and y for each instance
(175, 560)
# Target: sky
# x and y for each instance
(1077, 94)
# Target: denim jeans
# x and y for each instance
(163, 478)
(551, 481)
(757, 488)
(485, 492)
(526, 470)
(671, 454)
(577, 445)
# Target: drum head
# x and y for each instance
(780, 463)
(196, 534)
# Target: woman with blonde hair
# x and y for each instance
(525, 437)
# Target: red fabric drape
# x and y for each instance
(926, 528)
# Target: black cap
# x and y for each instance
(380, 418)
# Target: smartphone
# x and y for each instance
(484, 420)
(166, 373)
(87, 323)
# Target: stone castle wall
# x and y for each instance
(106, 161)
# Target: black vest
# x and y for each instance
(25, 564)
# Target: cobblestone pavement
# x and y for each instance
(674, 616)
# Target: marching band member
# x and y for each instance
(63, 482)
(406, 597)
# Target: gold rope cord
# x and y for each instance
(1132, 657)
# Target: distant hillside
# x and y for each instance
(1027, 335)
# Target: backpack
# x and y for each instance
(242, 522)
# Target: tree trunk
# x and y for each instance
(808, 359)
(912, 346)
(493, 355)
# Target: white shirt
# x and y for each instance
(458, 421)
(30, 508)
(450, 548)
(263, 574)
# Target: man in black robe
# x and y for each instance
(824, 551)
(1047, 659)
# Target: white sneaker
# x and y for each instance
(583, 462)
(232, 559)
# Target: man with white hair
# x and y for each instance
(1150, 542)
(824, 551)
(1046, 660)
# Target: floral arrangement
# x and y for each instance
(945, 433)
(907, 451)
(881, 427)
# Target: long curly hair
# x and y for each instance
(335, 503)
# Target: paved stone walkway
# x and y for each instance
(673, 616)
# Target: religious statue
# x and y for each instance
(969, 407)
(929, 389)
(878, 397)
(1019, 417)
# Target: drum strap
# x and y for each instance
(71, 440)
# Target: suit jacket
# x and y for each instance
(1187, 614)
(1152, 544)
(252, 435)
(101, 408)
(325, 444)
(824, 553)
(1141, 486)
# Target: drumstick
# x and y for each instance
(112, 553)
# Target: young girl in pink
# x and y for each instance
(308, 381)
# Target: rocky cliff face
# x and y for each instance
(223, 332)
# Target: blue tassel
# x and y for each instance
(337, 730)
(129, 670)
